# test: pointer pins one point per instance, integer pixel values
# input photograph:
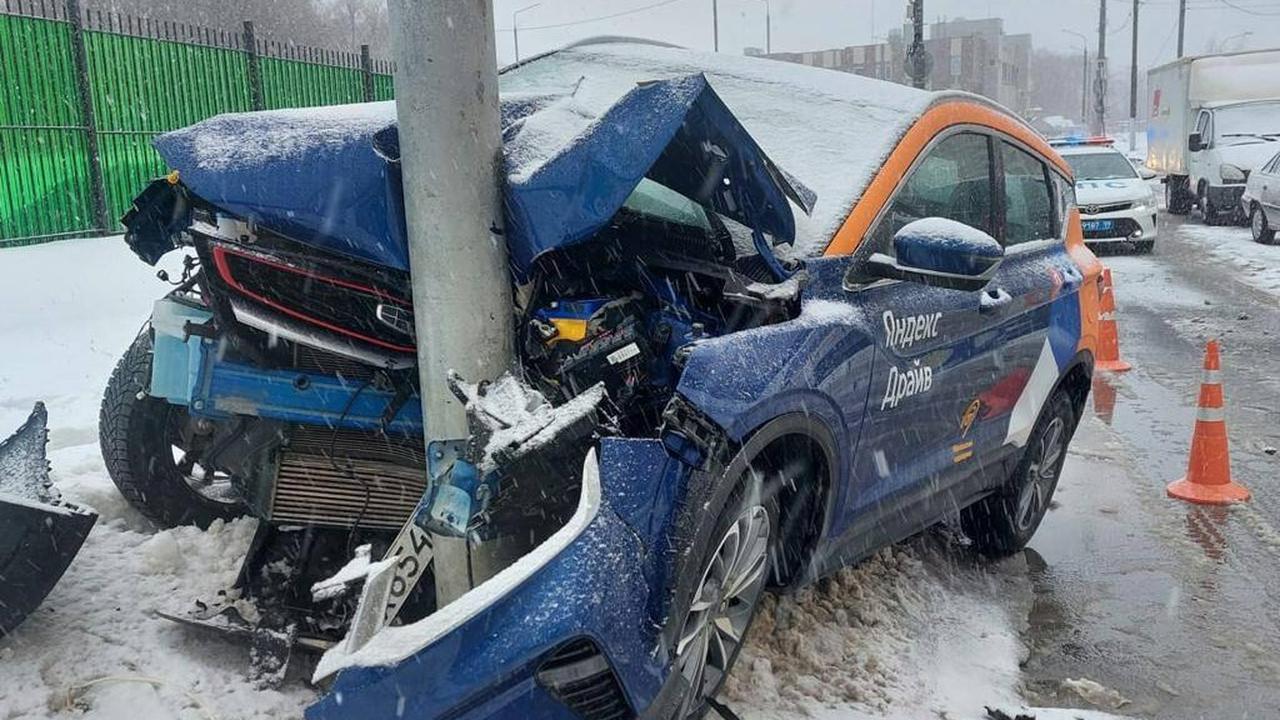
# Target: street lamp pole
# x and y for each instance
(515, 27)
(768, 28)
(715, 24)
(1084, 77)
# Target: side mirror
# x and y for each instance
(1194, 143)
(940, 253)
(1146, 173)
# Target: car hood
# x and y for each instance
(1249, 155)
(1101, 192)
(330, 176)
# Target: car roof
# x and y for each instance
(831, 130)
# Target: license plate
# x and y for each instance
(1098, 225)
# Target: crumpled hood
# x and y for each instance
(329, 176)
(1102, 192)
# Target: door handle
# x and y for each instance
(993, 299)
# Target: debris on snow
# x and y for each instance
(1095, 693)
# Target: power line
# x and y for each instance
(597, 18)
(1233, 6)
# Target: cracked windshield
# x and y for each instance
(621, 359)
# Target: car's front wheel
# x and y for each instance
(1002, 523)
(143, 448)
(1261, 227)
(726, 565)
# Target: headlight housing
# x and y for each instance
(1231, 173)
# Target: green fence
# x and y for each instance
(82, 94)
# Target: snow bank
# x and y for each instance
(1259, 265)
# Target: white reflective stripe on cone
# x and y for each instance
(1211, 414)
(1211, 377)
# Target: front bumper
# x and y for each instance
(1126, 226)
(480, 656)
(1225, 197)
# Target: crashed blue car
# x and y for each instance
(770, 319)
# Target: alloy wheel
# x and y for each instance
(1042, 473)
(723, 603)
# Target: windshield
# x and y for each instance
(1244, 123)
(1101, 166)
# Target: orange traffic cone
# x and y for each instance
(1104, 398)
(1208, 480)
(1108, 338)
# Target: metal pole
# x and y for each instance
(1100, 83)
(366, 73)
(1133, 81)
(715, 24)
(84, 93)
(446, 87)
(254, 66)
(515, 27)
(917, 37)
(1084, 90)
(1182, 23)
(768, 29)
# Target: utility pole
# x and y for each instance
(715, 24)
(1182, 23)
(1133, 80)
(446, 84)
(768, 29)
(919, 77)
(1100, 82)
(1084, 76)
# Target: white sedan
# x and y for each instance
(1117, 204)
(1261, 200)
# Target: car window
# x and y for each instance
(953, 181)
(661, 202)
(1028, 207)
(1271, 166)
(1202, 127)
(1101, 166)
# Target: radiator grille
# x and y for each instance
(383, 477)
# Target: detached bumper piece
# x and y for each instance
(39, 534)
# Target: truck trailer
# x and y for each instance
(1214, 118)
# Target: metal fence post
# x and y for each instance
(255, 68)
(84, 92)
(366, 73)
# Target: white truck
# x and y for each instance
(1214, 118)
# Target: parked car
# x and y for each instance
(1117, 204)
(1261, 200)
(784, 395)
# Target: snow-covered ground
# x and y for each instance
(920, 630)
(1259, 265)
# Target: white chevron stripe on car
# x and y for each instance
(1036, 391)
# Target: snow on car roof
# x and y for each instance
(830, 129)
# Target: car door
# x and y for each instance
(1269, 194)
(1033, 324)
(930, 350)
(1197, 160)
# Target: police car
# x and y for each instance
(1116, 203)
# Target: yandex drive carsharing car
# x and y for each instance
(770, 319)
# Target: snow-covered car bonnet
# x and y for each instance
(329, 176)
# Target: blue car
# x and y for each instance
(798, 315)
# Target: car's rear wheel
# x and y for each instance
(725, 567)
(1176, 198)
(1002, 523)
(142, 446)
(1260, 226)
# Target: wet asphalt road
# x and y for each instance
(1174, 607)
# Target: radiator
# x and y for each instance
(376, 480)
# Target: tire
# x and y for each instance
(1144, 247)
(1212, 215)
(1260, 226)
(136, 433)
(1002, 523)
(1177, 200)
(718, 505)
